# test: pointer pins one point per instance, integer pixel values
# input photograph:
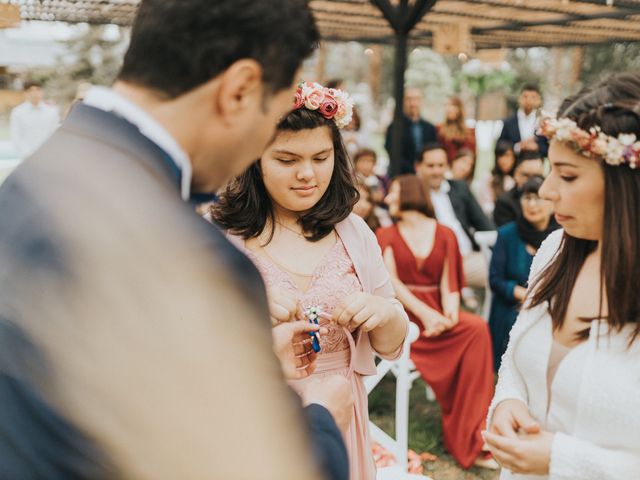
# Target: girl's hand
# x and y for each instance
(527, 454)
(283, 307)
(364, 311)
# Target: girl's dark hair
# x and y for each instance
(413, 196)
(497, 175)
(614, 106)
(245, 206)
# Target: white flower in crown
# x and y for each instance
(627, 139)
(623, 149)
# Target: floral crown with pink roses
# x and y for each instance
(331, 103)
(621, 150)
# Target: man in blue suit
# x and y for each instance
(416, 132)
(520, 128)
(135, 340)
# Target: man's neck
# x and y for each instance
(526, 113)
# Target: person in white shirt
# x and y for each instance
(32, 122)
(456, 207)
(568, 394)
(520, 128)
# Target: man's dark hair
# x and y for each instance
(527, 155)
(32, 83)
(532, 185)
(245, 207)
(530, 87)
(178, 45)
(428, 147)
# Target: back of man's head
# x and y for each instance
(178, 45)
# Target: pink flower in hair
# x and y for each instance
(299, 100)
(329, 107)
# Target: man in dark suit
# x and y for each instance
(135, 340)
(507, 209)
(457, 208)
(520, 128)
(416, 132)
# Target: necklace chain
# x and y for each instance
(300, 234)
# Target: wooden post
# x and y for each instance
(402, 18)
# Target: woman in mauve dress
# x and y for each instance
(453, 354)
(291, 213)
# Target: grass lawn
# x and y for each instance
(424, 430)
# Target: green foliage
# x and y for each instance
(89, 58)
(600, 61)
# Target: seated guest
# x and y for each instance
(463, 166)
(455, 207)
(488, 188)
(365, 161)
(453, 134)
(453, 353)
(513, 252)
(373, 215)
(507, 209)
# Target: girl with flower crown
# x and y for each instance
(291, 212)
(568, 395)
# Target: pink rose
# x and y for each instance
(314, 100)
(329, 107)
(299, 100)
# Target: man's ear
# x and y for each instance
(239, 90)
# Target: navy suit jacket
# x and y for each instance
(410, 150)
(511, 132)
(104, 266)
(468, 210)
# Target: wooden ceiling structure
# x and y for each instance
(449, 26)
(492, 23)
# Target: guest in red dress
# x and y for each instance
(453, 354)
(453, 134)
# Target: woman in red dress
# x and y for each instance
(453, 133)
(453, 354)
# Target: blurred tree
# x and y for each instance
(600, 61)
(94, 57)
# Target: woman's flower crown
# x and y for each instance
(331, 103)
(620, 150)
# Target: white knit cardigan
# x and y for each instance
(605, 441)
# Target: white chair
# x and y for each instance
(405, 374)
(486, 241)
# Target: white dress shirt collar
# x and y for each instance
(110, 101)
(527, 124)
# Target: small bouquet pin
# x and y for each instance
(314, 314)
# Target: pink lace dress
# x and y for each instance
(332, 280)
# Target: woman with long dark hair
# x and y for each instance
(490, 186)
(568, 395)
(453, 134)
(291, 213)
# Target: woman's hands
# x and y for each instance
(516, 440)
(364, 311)
(527, 454)
(434, 323)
